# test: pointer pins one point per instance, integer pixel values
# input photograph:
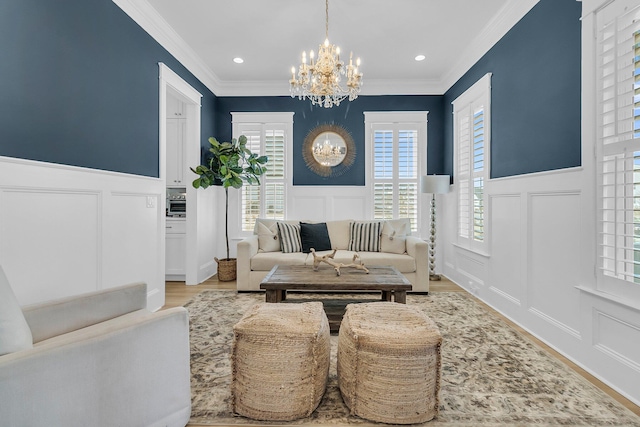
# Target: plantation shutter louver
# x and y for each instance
(266, 200)
(618, 145)
(478, 172)
(251, 193)
(463, 176)
(395, 173)
(471, 144)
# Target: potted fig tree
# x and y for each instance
(229, 164)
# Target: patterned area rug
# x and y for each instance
(491, 375)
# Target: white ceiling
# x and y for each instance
(270, 35)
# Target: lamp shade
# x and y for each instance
(435, 184)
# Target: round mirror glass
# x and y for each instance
(329, 149)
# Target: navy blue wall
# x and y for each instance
(79, 86)
(535, 95)
(348, 115)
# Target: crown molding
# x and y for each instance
(370, 87)
(509, 16)
(155, 25)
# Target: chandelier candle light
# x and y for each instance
(320, 79)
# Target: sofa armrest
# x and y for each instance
(131, 370)
(247, 248)
(60, 316)
(419, 250)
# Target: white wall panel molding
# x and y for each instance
(506, 268)
(555, 323)
(66, 230)
(515, 301)
(327, 203)
(553, 256)
(617, 338)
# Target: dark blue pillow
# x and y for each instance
(314, 236)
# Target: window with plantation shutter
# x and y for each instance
(267, 200)
(471, 112)
(618, 142)
(396, 166)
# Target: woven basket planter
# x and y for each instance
(389, 363)
(227, 269)
(280, 361)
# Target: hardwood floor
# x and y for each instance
(178, 294)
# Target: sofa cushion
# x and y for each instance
(265, 261)
(268, 222)
(339, 233)
(314, 236)
(397, 223)
(403, 262)
(365, 236)
(289, 237)
(393, 237)
(268, 237)
(15, 333)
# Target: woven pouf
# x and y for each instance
(280, 361)
(389, 363)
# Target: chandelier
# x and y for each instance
(320, 80)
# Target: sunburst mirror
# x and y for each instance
(329, 150)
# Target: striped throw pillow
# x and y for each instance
(365, 236)
(289, 237)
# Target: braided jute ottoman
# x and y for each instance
(389, 363)
(280, 361)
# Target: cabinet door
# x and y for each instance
(176, 133)
(175, 254)
(175, 108)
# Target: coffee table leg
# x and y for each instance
(283, 295)
(386, 295)
(400, 296)
(271, 295)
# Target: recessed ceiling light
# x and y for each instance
(238, 60)
(420, 58)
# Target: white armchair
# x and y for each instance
(100, 359)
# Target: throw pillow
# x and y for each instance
(289, 237)
(393, 239)
(314, 236)
(15, 333)
(268, 240)
(365, 236)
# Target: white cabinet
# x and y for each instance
(176, 168)
(176, 249)
(175, 108)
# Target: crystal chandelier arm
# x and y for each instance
(320, 80)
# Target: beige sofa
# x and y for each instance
(100, 359)
(409, 254)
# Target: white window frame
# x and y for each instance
(477, 97)
(396, 121)
(613, 137)
(280, 121)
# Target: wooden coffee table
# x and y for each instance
(387, 280)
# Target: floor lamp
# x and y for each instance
(434, 184)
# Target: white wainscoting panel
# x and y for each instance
(617, 338)
(538, 271)
(505, 278)
(37, 227)
(310, 208)
(349, 207)
(471, 269)
(66, 230)
(554, 258)
(325, 203)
